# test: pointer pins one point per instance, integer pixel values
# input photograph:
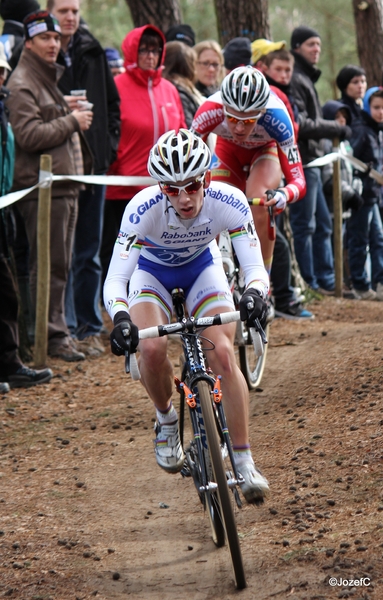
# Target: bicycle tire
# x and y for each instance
(208, 499)
(252, 366)
(223, 491)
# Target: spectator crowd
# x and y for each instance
(96, 112)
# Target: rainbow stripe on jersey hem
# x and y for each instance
(150, 295)
(206, 302)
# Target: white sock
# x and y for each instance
(170, 416)
(243, 456)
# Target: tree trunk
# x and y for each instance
(242, 18)
(162, 13)
(368, 17)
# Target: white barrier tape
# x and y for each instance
(355, 162)
(15, 196)
(324, 160)
(46, 178)
(107, 179)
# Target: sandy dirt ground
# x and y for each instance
(85, 512)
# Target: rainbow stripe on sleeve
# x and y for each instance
(234, 233)
(121, 304)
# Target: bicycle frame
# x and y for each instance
(201, 391)
(195, 370)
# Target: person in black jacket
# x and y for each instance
(310, 218)
(87, 69)
(364, 227)
(352, 82)
(13, 12)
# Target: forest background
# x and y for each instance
(110, 21)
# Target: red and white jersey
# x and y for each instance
(273, 126)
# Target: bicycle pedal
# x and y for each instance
(185, 471)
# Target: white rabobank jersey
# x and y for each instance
(152, 232)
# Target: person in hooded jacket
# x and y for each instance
(150, 106)
(364, 227)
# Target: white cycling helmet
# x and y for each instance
(178, 156)
(245, 89)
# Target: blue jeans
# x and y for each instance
(365, 232)
(312, 228)
(82, 300)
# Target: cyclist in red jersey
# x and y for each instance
(255, 147)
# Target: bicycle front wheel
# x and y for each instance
(224, 493)
(252, 366)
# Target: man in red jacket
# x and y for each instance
(150, 106)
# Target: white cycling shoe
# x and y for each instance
(167, 447)
(255, 487)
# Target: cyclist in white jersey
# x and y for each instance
(167, 241)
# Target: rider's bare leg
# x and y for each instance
(235, 393)
(265, 174)
(155, 367)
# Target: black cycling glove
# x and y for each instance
(252, 306)
(124, 337)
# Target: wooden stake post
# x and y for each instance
(43, 263)
(338, 218)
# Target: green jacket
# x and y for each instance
(7, 156)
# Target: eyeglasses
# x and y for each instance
(207, 64)
(146, 52)
(245, 120)
(175, 190)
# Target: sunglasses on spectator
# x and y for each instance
(174, 190)
(245, 120)
(207, 64)
(146, 52)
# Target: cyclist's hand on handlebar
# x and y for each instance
(124, 337)
(252, 306)
(277, 199)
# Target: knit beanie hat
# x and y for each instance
(301, 34)
(236, 53)
(113, 57)
(346, 74)
(17, 10)
(40, 22)
(181, 33)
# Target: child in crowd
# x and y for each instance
(351, 186)
(277, 66)
(365, 225)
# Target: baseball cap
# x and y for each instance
(261, 47)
